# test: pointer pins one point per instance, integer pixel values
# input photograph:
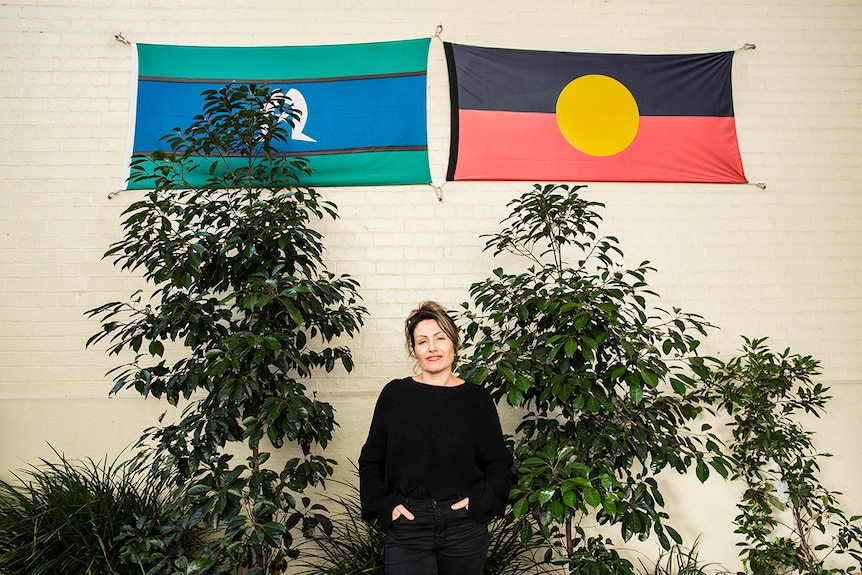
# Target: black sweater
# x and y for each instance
(445, 439)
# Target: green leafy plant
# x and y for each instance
(246, 309)
(789, 521)
(355, 546)
(66, 516)
(603, 377)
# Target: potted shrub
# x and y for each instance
(789, 522)
(603, 379)
(244, 302)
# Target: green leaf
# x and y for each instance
(678, 385)
(156, 348)
(636, 393)
(557, 510)
(295, 314)
(674, 534)
(650, 378)
(702, 470)
(507, 372)
(516, 396)
(272, 343)
(199, 565)
(521, 507)
(592, 497)
(480, 375)
(581, 321)
(720, 468)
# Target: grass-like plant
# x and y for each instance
(352, 545)
(679, 560)
(508, 555)
(64, 517)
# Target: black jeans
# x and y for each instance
(439, 541)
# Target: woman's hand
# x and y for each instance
(463, 504)
(401, 511)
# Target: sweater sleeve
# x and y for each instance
(489, 497)
(375, 501)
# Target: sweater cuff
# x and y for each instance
(383, 511)
(484, 504)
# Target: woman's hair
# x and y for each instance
(431, 310)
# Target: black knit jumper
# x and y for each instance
(445, 441)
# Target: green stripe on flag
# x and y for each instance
(246, 64)
(368, 169)
(338, 170)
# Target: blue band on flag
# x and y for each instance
(332, 122)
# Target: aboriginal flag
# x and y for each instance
(363, 106)
(550, 116)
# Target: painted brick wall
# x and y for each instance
(784, 261)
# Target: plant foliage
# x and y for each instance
(65, 517)
(789, 521)
(602, 375)
(245, 306)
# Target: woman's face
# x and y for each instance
(432, 347)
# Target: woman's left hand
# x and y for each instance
(463, 504)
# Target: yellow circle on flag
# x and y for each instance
(597, 115)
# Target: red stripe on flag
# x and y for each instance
(496, 145)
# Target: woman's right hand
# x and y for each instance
(401, 511)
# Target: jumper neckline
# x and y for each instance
(423, 384)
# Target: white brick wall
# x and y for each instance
(784, 262)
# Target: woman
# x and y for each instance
(434, 469)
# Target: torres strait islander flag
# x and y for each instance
(363, 106)
(538, 115)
